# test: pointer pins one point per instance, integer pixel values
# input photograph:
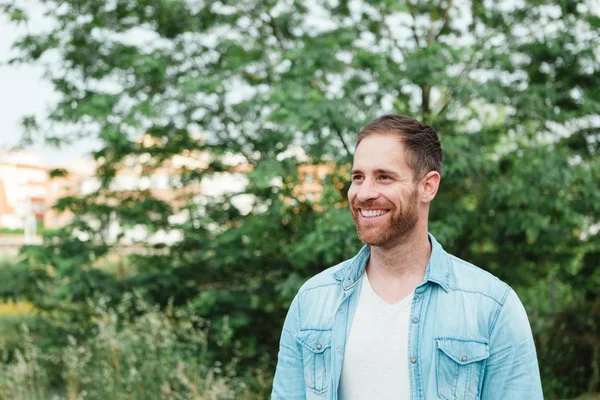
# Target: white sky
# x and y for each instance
(23, 91)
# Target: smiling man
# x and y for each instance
(403, 319)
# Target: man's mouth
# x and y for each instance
(371, 214)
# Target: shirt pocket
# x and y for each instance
(460, 366)
(316, 348)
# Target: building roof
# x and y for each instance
(4, 207)
(24, 166)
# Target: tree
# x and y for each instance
(510, 89)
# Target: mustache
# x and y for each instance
(369, 204)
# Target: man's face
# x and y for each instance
(383, 197)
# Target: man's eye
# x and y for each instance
(385, 177)
(356, 177)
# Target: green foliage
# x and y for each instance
(511, 89)
(155, 355)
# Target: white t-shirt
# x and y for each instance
(376, 358)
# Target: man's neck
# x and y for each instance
(394, 272)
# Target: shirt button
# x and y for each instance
(415, 320)
(338, 349)
(413, 360)
(319, 346)
(463, 358)
(341, 310)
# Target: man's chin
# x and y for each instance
(378, 237)
(371, 238)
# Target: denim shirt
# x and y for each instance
(469, 337)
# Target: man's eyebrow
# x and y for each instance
(377, 171)
(386, 172)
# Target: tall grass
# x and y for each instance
(154, 355)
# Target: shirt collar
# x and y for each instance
(438, 267)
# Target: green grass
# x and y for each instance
(11, 335)
(40, 230)
(156, 355)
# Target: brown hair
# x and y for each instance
(424, 152)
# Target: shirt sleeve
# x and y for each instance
(512, 371)
(288, 383)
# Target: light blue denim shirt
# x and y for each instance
(469, 337)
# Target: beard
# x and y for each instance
(394, 229)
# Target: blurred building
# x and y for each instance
(141, 173)
(72, 183)
(311, 179)
(23, 189)
(28, 194)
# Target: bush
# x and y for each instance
(154, 355)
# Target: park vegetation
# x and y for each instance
(268, 90)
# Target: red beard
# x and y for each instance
(395, 225)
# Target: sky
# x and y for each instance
(23, 91)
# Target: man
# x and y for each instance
(403, 319)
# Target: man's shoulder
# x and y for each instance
(322, 280)
(467, 277)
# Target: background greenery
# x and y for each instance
(511, 88)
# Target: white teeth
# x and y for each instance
(372, 213)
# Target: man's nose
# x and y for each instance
(367, 191)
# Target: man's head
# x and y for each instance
(396, 174)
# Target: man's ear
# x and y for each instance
(429, 186)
